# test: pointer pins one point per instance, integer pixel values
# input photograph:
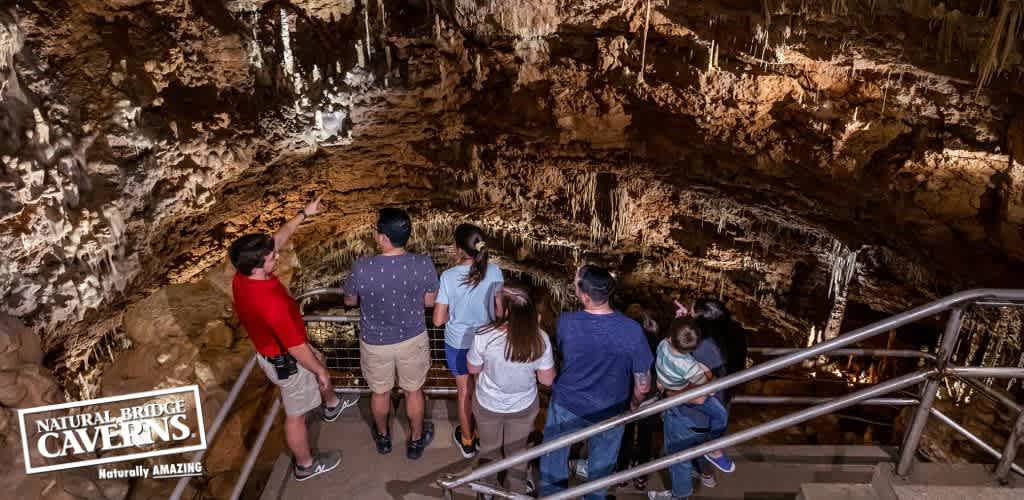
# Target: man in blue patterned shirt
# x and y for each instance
(392, 289)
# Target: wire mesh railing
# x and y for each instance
(337, 337)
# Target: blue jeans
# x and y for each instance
(679, 436)
(603, 451)
(718, 416)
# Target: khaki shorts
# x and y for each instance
(300, 393)
(410, 358)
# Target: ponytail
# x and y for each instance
(470, 239)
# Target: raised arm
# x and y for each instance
(282, 235)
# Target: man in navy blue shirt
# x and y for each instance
(606, 368)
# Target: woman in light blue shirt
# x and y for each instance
(465, 302)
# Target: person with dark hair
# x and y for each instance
(510, 356)
(274, 324)
(392, 289)
(606, 368)
(714, 319)
(678, 371)
(464, 303)
(723, 346)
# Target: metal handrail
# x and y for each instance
(892, 353)
(214, 428)
(326, 290)
(954, 302)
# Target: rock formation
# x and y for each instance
(818, 164)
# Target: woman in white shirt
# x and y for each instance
(511, 355)
(465, 302)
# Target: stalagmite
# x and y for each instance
(42, 135)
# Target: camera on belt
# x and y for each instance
(284, 364)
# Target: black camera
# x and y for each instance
(285, 365)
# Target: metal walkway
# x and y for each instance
(455, 479)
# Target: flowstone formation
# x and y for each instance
(818, 164)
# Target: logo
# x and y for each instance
(115, 429)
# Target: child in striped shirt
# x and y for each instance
(678, 371)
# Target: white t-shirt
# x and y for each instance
(504, 386)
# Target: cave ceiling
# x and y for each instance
(787, 155)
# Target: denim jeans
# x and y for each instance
(680, 435)
(718, 416)
(603, 451)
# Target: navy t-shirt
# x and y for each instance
(600, 353)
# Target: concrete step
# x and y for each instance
(826, 491)
(926, 492)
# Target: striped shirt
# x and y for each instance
(677, 371)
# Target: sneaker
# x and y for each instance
(382, 441)
(708, 480)
(331, 413)
(578, 466)
(663, 495)
(724, 463)
(531, 488)
(415, 448)
(322, 462)
(467, 451)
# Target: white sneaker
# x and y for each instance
(578, 467)
(708, 480)
(662, 495)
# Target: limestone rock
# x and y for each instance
(218, 334)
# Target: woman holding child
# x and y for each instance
(689, 356)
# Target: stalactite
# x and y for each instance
(289, 62)
(843, 265)
(643, 50)
(1002, 41)
(366, 23)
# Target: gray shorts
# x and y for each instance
(300, 393)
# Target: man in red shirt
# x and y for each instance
(274, 324)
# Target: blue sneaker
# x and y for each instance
(723, 463)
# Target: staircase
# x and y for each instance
(763, 472)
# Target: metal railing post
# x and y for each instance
(913, 436)
(250, 459)
(1010, 451)
(222, 415)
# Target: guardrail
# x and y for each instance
(789, 356)
(930, 378)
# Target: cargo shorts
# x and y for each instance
(300, 393)
(410, 359)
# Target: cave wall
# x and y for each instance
(787, 155)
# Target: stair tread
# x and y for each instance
(837, 491)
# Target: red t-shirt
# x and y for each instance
(267, 311)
